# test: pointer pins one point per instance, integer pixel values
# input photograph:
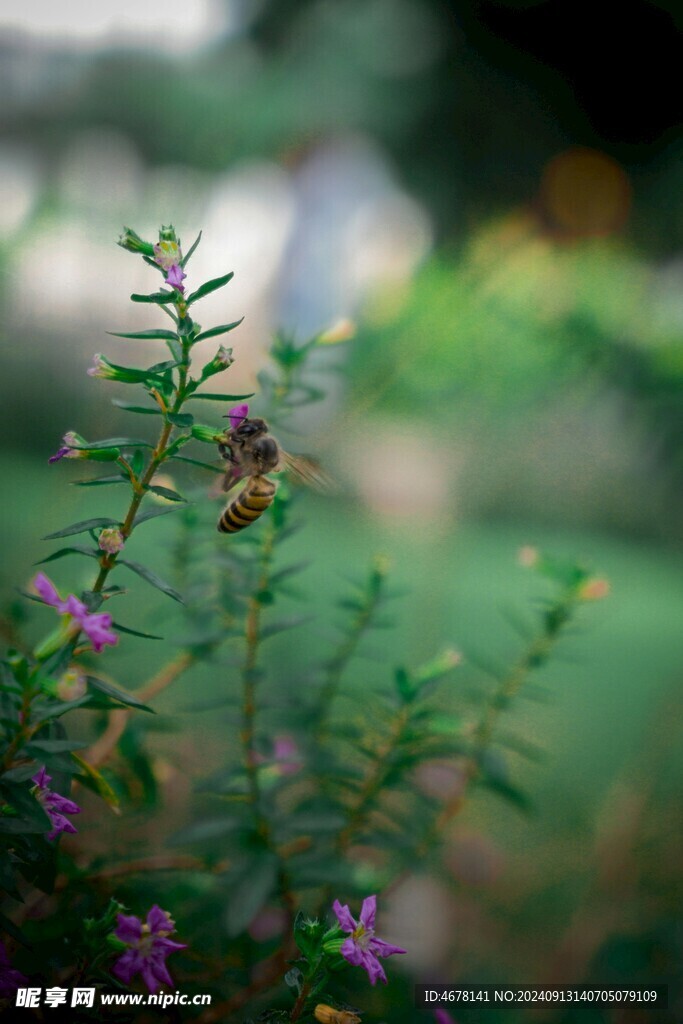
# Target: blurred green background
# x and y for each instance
(492, 191)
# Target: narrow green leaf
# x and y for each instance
(290, 622)
(168, 364)
(101, 481)
(144, 410)
(213, 332)
(156, 333)
(55, 709)
(221, 398)
(135, 632)
(188, 254)
(159, 297)
(94, 780)
(166, 492)
(83, 527)
(197, 462)
(120, 695)
(53, 746)
(76, 549)
(180, 419)
(207, 288)
(151, 578)
(152, 513)
(113, 442)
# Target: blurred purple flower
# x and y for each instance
(441, 1017)
(67, 451)
(149, 946)
(175, 277)
(10, 979)
(237, 414)
(96, 625)
(54, 805)
(286, 756)
(362, 949)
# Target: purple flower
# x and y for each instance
(175, 277)
(149, 946)
(10, 980)
(96, 625)
(67, 451)
(362, 948)
(237, 414)
(441, 1017)
(54, 805)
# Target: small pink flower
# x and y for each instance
(237, 414)
(175, 277)
(67, 451)
(54, 805)
(96, 625)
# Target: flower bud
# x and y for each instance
(221, 361)
(328, 1015)
(67, 451)
(210, 435)
(105, 370)
(111, 540)
(72, 685)
(131, 241)
(168, 234)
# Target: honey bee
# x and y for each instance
(252, 452)
(328, 1015)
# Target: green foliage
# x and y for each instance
(334, 806)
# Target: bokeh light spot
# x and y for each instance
(585, 193)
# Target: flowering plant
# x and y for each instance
(306, 805)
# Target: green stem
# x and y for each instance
(252, 633)
(346, 650)
(374, 781)
(302, 999)
(108, 561)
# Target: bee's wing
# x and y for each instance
(305, 470)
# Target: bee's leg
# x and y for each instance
(226, 453)
(231, 478)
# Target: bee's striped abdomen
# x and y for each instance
(250, 503)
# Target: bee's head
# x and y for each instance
(249, 428)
